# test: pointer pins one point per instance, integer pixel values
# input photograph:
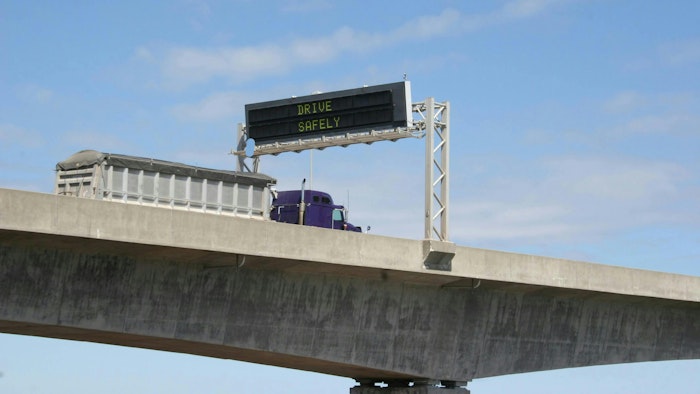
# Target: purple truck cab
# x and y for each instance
(316, 209)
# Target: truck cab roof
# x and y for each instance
(310, 197)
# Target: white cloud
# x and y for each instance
(144, 54)
(630, 101)
(669, 114)
(300, 6)
(501, 220)
(576, 197)
(77, 140)
(526, 8)
(13, 136)
(184, 66)
(35, 94)
(228, 104)
(677, 124)
(199, 7)
(319, 50)
(672, 54)
(681, 53)
(632, 181)
(447, 22)
(625, 102)
(190, 65)
(214, 107)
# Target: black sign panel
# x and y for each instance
(372, 107)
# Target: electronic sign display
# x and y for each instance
(368, 108)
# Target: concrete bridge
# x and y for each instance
(348, 304)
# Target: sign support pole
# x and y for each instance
(241, 151)
(437, 250)
(436, 119)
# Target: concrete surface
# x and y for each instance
(348, 304)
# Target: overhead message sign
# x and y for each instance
(367, 108)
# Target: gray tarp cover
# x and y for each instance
(88, 158)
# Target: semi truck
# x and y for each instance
(152, 182)
(311, 208)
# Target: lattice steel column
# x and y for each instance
(436, 120)
(240, 151)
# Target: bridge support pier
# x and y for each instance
(409, 387)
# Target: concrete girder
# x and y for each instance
(364, 328)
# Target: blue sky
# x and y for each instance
(575, 134)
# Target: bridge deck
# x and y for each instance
(349, 304)
(227, 240)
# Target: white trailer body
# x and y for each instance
(143, 181)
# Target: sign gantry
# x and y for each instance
(363, 115)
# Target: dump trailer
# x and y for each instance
(144, 181)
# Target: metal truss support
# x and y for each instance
(436, 120)
(343, 140)
(241, 154)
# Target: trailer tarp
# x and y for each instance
(89, 158)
